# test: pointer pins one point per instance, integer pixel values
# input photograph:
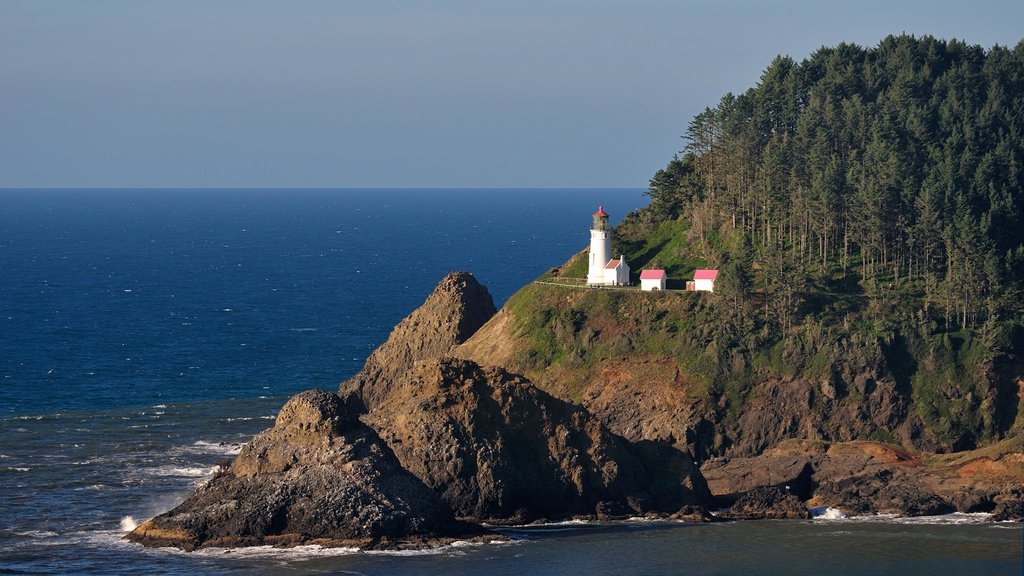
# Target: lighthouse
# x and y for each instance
(600, 247)
(604, 271)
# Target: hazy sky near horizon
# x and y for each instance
(399, 93)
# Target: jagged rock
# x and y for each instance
(768, 503)
(1012, 511)
(694, 514)
(1009, 505)
(730, 478)
(882, 491)
(318, 476)
(455, 310)
(969, 502)
(496, 448)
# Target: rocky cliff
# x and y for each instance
(319, 476)
(452, 313)
(415, 440)
(498, 449)
(490, 443)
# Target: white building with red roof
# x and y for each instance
(704, 280)
(652, 280)
(602, 269)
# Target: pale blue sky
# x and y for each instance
(394, 93)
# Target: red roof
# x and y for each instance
(600, 212)
(611, 264)
(702, 274)
(652, 274)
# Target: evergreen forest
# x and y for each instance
(864, 207)
(899, 167)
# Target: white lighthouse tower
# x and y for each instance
(600, 247)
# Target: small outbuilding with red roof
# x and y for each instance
(652, 280)
(704, 280)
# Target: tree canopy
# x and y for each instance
(899, 167)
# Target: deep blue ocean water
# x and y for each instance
(146, 334)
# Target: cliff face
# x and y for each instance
(318, 476)
(669, 367)
(413, 437)
(497, 449)
(452, 313)
(492, 445)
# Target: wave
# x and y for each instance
(182, 471)
(128, 524)
(826, 513)
(204, 446)
(943, 519)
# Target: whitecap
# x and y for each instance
(128, 523)
(296, 552)
(954, 518)
(37, 533)
(827, 513)
(215, 447)
(182, 471)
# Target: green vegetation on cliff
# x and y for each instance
(864, 207)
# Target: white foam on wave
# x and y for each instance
(827, 513)
(294, 553)
(227, 448)
(182, 471)
(37, 533)
(943, 519)
(456, 548)
(128, 524)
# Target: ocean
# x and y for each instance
(145, 335)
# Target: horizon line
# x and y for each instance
(186, 188)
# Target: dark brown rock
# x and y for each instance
(318, 476)
(729, 478)
(883, 491)
(496, 448)
(455, 310)
(768, 503)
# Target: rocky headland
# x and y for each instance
(430, 441)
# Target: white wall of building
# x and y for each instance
(600, 254)
(652, 284)
(704, 285)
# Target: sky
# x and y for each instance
(402, 93)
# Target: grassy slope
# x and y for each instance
(569, 339)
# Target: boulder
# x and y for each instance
(318, 476)
(768, 503)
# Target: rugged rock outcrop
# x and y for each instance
(790, 470)
(451, 314)
(496, 448)
(856, 477)
(318, 476)
(768, 503)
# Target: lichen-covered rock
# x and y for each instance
(455, 310)
(496, 448)
(318, 476)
